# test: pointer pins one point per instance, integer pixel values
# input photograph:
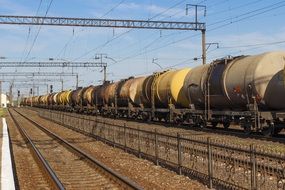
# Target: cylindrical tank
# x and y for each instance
(38, 100)
(234, 83)
(29, 101)
(54, 98)
(64, 98)
(194, 85)
(98, 95)
(35, 100)
(24, 101)
(259, 76)
(135, 90)
(76, 96)
(59, 98)
(168, 88)
(123, 92)
(145, 91)
(41, 99)
(87, 97)
(50, 98)
(109, 94)
(45, 99)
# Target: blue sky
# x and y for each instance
(236, 25)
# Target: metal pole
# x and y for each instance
(204, 46)
(61, 84)
(139, 142)
(76, 81)
(210, 163)
(179, 154)
(18, 103)
(156, 147)
(125, 137)
(253, 167)
(10, 93)
(47, 89)
(33, 91)
(105, 74)
(196, 15)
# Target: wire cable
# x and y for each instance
(212, 29)
(38, 32)
(126, 32)
(29, 32)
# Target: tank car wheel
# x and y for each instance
(214, 124)
(247, 129)
(226, 125)
(202, 124)
(277, 129)
(267, 131)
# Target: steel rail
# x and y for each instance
(106, 169)
(51, 174)
(208, 129)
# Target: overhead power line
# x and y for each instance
(105, 14)
(38, 32)
(113, 8)
(126, 32)
(276, 6)
(253, 45)
(29, 32)
(235, 8)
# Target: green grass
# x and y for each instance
(3, 112)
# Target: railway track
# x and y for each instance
(228, 161)
(280, 138)
(238, 132)
(66, 166)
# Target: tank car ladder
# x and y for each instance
(207, 109)
(156, 75)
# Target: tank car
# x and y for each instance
(162, 96)
(135, 91)
(248, 90)
(75, 97)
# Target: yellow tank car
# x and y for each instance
(64, 97)
(35, 100)
(168, 88)
(45, 99)
(58, 98)
(41, 100)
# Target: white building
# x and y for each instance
(4, 100)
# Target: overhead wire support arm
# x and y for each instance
(52, 64)
(93, 22)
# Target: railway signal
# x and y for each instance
(51, 88)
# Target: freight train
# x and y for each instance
(245, 90)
